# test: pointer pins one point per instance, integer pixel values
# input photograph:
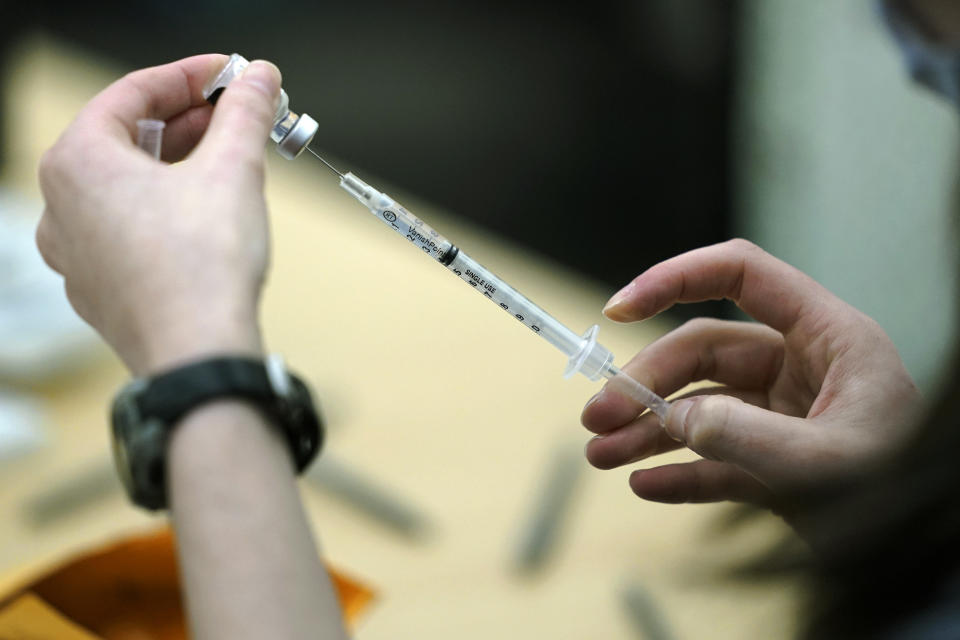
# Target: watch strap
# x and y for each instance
(161, 401)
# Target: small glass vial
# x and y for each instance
(291, 132)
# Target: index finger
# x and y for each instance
(768, 289)
(160, 92)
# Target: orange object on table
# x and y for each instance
(129, 589)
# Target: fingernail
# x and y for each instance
(264, 75)
(677, 418)
(591, 441)
(595, 397)
(617, 300)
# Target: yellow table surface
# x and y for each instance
(428, 390)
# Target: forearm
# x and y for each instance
(188, 289)
(248, 561)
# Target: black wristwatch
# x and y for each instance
(147, 409)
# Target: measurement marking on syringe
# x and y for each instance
(475, 280)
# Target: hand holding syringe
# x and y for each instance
(293, 133)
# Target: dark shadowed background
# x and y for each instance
(596, 133)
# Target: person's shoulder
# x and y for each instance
(933, 64)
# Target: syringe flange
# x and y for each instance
(592, 358)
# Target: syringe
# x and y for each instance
(586, 355)
(293, 133)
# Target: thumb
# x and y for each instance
(243, 118)
(770, 446)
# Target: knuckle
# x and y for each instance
(46, 244)
(253, 101)
(46, 163)
(49, 165)
(133, 76)
(138, 80)
(705, 424)
(49, 255)
(42, 234)
(742, 245)
(698, 325)
(43, 240)
(131, 79)
(872, 328)
(58, 166)
(746, 248)
(76, 300)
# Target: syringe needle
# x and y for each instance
(317, 156)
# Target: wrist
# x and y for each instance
(232, 434)
(148, 411)
(168, 344)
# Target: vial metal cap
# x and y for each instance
(298, 137)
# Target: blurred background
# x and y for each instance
(595, 138)
(514, 115)
(613, 135)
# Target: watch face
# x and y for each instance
(121, 460)
(126, 420)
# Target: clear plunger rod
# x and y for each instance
(619, 381)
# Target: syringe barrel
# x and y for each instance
(586, 355)
(466, 268)
(388, 211)
(515, 303)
